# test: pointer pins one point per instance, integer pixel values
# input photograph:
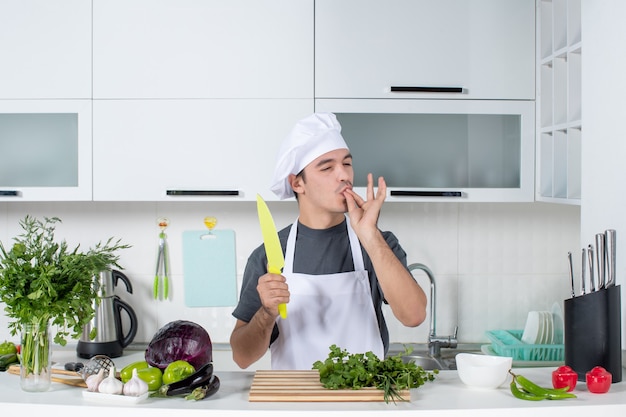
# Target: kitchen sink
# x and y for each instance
(421, 356)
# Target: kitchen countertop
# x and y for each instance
(446, 396)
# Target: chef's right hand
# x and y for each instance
(273, 290)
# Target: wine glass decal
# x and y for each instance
(210, 223)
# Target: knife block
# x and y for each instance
(592, 332)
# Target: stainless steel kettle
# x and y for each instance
(104, 335)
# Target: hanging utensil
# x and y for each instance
(600, 259)
(611, 254)
(162, 264)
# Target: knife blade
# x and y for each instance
(571, 272)
(600, 259)
(610, 256)
(583, 272)
(273, 250)
(592, 285)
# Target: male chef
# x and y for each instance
(338, 269)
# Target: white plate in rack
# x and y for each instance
(557, 318)
(533, 329)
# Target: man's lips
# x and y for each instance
(344, 186)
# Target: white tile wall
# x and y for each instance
(492, 262)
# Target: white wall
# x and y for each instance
(492, 262)
(604, 114)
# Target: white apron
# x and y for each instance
(324, 310)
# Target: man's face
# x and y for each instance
(326, 177)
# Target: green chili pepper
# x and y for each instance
(523, 395)
(525, 389)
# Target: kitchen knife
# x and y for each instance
(583, 272)
(592, 285)
(600, 259)
(273, 250)
(610, 235)
(571, 272)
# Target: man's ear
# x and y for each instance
(296, 183)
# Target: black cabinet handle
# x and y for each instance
(212, 193)
(403, 193)
(406, 89)
(9, 193)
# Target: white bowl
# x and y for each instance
(483, 371)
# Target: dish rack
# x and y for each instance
(509, 343)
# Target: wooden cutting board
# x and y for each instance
(77, 381)
(305, 386)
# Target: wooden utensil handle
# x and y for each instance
(75, 382)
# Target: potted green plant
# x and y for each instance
(44, 283)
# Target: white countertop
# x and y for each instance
(446, 396)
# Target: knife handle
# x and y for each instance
(282, 307)
(282, 310)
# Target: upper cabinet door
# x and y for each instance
(189, 150)
(203, 49)
(46, 49)
(481, 49)
(45, 150)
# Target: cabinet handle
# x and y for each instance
(202, 193)
(9, 193)
(403, 193)
(400, 89)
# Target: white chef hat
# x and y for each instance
(310, 138)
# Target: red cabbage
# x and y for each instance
(180, 340)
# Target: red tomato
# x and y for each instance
(564, 376)
(599, 380)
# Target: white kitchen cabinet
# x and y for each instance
(202, 49)
(45, 150)
(559, 110)
(441, 150)
(481, 49)
(189, 150)
(46, 49)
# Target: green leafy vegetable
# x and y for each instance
(343, 370)
(42, 281)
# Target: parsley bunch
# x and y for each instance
(343, 370)
(42, 281)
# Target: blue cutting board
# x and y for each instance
(209, 267)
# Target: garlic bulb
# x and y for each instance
(135, 387)
(93, 381)
(110, 384)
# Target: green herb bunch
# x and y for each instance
(44, 282)
(343, 370)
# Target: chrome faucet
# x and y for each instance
(435, 343)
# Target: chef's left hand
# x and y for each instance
(364, 213)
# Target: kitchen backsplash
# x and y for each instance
(492, 262)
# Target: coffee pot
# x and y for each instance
(104, 334)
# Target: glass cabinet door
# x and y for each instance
(45, 150)
(428, 150)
